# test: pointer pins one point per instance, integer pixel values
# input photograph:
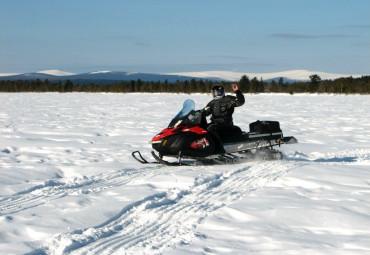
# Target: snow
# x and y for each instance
(293, 75)
(225, 75)
(97, 72)
(69, 184)
(7, 74)
(56, 72)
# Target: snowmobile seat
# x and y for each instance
(232, 135)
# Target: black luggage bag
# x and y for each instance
(263, 127)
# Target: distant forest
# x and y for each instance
(246, 85)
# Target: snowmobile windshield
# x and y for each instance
(188, 106)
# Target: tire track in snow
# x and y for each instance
(168, 219)
(54, 189)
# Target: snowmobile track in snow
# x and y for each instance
(170, 218)
(57, 188)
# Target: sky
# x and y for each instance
(164, 36)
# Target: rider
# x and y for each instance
(222, 108)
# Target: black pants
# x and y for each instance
(217, 131)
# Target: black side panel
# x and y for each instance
(190, 144)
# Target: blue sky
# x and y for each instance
(178, 36)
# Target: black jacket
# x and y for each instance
(222, 109)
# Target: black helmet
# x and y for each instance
(218, 91)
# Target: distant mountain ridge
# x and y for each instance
(101, 77)
(105, 77)
(293, 75)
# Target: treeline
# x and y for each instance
(315, 85)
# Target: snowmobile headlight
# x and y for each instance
(158, 141)
(177, 123)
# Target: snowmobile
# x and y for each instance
(186, 137)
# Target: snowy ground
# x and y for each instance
(68, 183)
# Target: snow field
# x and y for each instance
(69, 184)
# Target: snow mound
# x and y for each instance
(97, 72)
(56, 72)
(8, 74)
(292, 75)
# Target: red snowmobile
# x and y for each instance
(186, 137)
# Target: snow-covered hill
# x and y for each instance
(8, 74)
(294, 75)
(56, 72)
(109, 76)
(99, 77)
(70, 186)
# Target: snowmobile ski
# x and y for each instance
(137, 155)
(164, 162)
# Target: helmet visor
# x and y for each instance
(218, 91)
